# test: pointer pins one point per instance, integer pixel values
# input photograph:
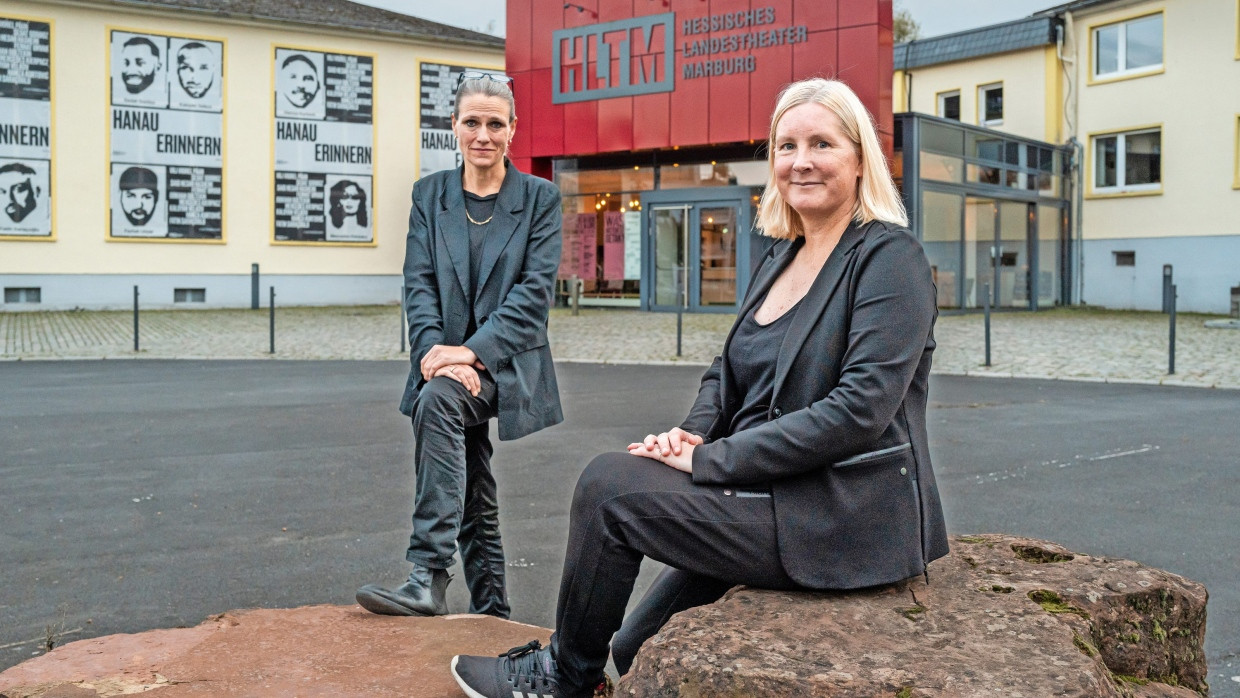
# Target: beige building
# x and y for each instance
(172, 148)
(1148, 95)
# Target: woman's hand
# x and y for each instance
(673, 448)
(442, 355)
(464, 374)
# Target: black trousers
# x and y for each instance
(625, 508)
(455, 499)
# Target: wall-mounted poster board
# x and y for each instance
(166, 137)
(25, 129)
(324, 147)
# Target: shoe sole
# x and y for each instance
(378, 602)
(460, 682)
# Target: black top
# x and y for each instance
(755, 349)
(480, 208)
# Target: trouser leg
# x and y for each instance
(482, 553)
(442, 412)
(626, 507)
(671, 592)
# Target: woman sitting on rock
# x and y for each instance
(804, 462)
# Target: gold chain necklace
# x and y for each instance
(471, 218)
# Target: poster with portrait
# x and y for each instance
(25, 129)
(324, 136)
(166, 171)
(436, 97)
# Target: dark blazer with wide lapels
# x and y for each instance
(511, 297)
(845, 450)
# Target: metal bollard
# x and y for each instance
(404, 333)
(1167, 288)
(986, 306)
(135, 318)
(574, 293)
(272, 319)
(680, 308)
(1171, 349)
(253, 287)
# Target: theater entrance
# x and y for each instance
(697, 248)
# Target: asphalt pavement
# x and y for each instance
(148, 494)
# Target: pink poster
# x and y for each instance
(570, 251)
(613, 246)
(587, 236)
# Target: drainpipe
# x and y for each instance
(1071, 109)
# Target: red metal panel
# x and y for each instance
(522, 94)
(517, 41)
(581, 128)
(651, 121)
(728, 123)
(611, 10)
(818, 14)
(615, 124)
(690, 111)
(525, 165)
(884, 13)
(546, 16)
(546, 126)
(886, 100)
(817, 57)
(690, 102)
(854, 13)
(772, 73)
(859, 49)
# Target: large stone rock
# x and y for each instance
(1002, 616)
(310, 651)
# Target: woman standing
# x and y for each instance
(804, 462)
(480, 264)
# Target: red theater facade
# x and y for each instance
(652, 117)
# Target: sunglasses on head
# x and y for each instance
(480, 75)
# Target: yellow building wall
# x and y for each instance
(1024, 78)
(80, 127)
(1195, 98)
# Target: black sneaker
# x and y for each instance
(527, 671)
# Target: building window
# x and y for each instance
(1235, 182)
(1128, 162)
(1132, 47)
(22, 295)
(1125, 258)
(189, 295)
(990, 104)
(949, 105)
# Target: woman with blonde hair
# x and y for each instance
(804, 463)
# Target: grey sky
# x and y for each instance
(935, 16)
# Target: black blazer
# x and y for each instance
(511, 297)
(845, 450)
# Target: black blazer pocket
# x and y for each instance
(873, 458)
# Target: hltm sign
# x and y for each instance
(637, 56)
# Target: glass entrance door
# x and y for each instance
(997, 253)
(698, 247)
(717, 255)
(670, 238)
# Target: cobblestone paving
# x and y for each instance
(1067, 343)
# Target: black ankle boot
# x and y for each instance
(423, 594)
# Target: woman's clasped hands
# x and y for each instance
(673, 448)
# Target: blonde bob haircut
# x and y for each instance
(877, 198)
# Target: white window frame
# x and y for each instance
(981, 105)
(1121, 49)
(1121, 164)
(939, 109)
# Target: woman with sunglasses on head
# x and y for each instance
(804, 462)
(480, 264)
